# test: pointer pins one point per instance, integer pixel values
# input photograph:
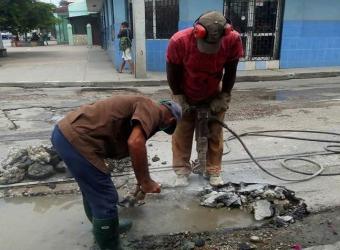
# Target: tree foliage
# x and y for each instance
(20, 16)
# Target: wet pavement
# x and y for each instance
(44, 223)
(50, 222)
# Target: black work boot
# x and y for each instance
(106, 233)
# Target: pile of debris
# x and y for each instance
(264, 200)
(33, 162)
(119, 166)
(41, 162)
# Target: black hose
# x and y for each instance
(331, 148)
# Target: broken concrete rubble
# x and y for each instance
(35, 162)
(60, 167)
(212, 199)
(119, 166)
(262, 210)
(263, 200)
(255, 239)
(12, 174)
(39, 171)
(286, 218)
(39, 154)
(41, 162)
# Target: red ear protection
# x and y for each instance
(227, 29)
(200, 31)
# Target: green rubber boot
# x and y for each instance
(106, 233)
(124, 224)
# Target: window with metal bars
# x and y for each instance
(259, 23)
(161, 18)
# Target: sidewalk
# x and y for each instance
(66, 66)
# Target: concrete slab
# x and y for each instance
(59, 64)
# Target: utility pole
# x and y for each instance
(138, 7)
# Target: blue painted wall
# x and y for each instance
(119, 17)
(110, 24)
(311, 34)
(155, 54)
(189, 10)
(115, 13)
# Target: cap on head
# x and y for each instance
(214, 24)
(176, 111)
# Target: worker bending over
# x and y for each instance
(116, 127)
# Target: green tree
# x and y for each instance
(21, 16)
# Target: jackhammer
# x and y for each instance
(202, 116)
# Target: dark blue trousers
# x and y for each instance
(97, 187)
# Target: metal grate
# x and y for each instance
(161, 18)
(258, 22)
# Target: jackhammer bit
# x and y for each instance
(201, 136)
(134, 199)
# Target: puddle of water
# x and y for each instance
(58, 222)
(314, 94)
(184, 214)
(44, 223)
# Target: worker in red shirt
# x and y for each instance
(198, 58)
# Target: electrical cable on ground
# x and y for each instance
(331, 148)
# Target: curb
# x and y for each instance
(163, 82)
(287, 76)
(103, 84)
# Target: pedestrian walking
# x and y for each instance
(125, 45)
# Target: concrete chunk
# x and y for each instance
(262, 210)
